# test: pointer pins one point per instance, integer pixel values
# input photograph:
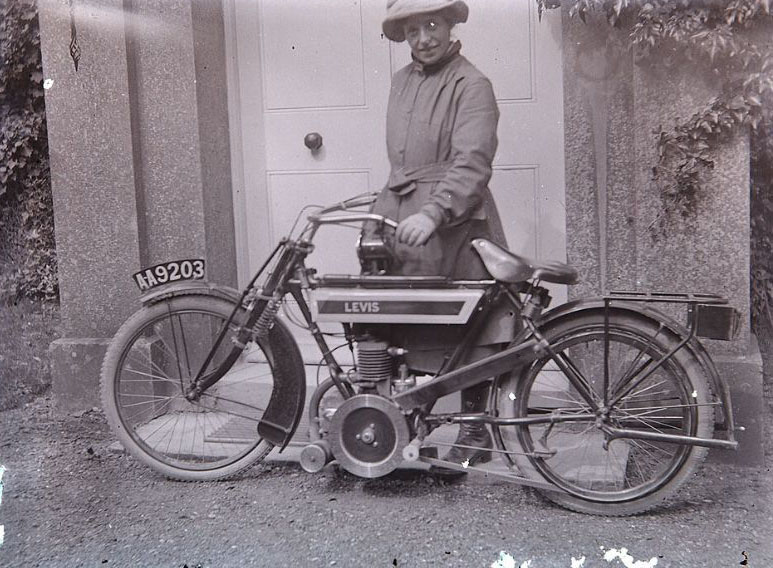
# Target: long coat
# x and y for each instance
(441, 141)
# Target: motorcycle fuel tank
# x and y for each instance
(427, 306)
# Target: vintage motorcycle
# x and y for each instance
(605, 405)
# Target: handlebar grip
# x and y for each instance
(360, 200)
(356, 201)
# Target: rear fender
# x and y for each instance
(724, 417)
(285, 407)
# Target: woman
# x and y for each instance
(441, 140)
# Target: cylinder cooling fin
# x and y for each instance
(373, 361)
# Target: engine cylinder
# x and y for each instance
(374, 363)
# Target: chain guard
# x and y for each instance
(368, 434)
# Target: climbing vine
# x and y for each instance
(724, 39)
(27, 250)
(730, 41)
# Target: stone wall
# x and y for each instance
(612, 108)
(140, 165)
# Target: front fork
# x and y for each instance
(262, 310)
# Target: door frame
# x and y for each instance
(241, 19)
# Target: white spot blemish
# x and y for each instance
(507, 561)
(2, 527)
(627, 560)
(504, 561)
(578, 562)
(466, 463)
(48, 83)
(511, 396)
(695, 394)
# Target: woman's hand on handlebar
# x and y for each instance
(415, 230)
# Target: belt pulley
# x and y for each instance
(368, 434)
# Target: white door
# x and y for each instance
(304, 66)
(312, 66)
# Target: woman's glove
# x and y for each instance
(415, 230)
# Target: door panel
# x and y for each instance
(514, 190)
(298, 40)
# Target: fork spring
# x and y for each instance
(266, 319)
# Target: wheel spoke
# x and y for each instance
(591, 468)
(190, 439)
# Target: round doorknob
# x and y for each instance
(313, 141)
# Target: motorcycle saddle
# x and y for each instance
(505, 266)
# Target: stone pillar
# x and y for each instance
(92, 171)
(139, 162)
(612, 107)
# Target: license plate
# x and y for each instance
(174, 271)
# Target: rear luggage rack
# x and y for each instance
(708, 315)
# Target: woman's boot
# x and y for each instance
(470, 434)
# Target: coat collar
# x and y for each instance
(452, 53)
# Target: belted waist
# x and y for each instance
(403, 180)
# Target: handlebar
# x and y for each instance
(356, 201)
(326, 219)
(324, 216)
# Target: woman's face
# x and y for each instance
(429, 36)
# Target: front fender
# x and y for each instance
(187, 288)
(288, 393)
(724, 417)
(284, 410)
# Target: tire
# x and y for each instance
(633, 475)
(147, 368)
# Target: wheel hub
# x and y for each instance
(368, 434)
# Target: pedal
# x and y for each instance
(542, 451)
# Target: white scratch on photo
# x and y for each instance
(507, 561)
(2, 527)
(628, 560)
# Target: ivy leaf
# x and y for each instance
(737, 102)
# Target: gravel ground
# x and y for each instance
(68, 501)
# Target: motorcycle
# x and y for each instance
(605, 405)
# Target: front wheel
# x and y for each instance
(147, 370)
(623, 476)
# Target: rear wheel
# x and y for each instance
(147, 370)
(625, 475)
